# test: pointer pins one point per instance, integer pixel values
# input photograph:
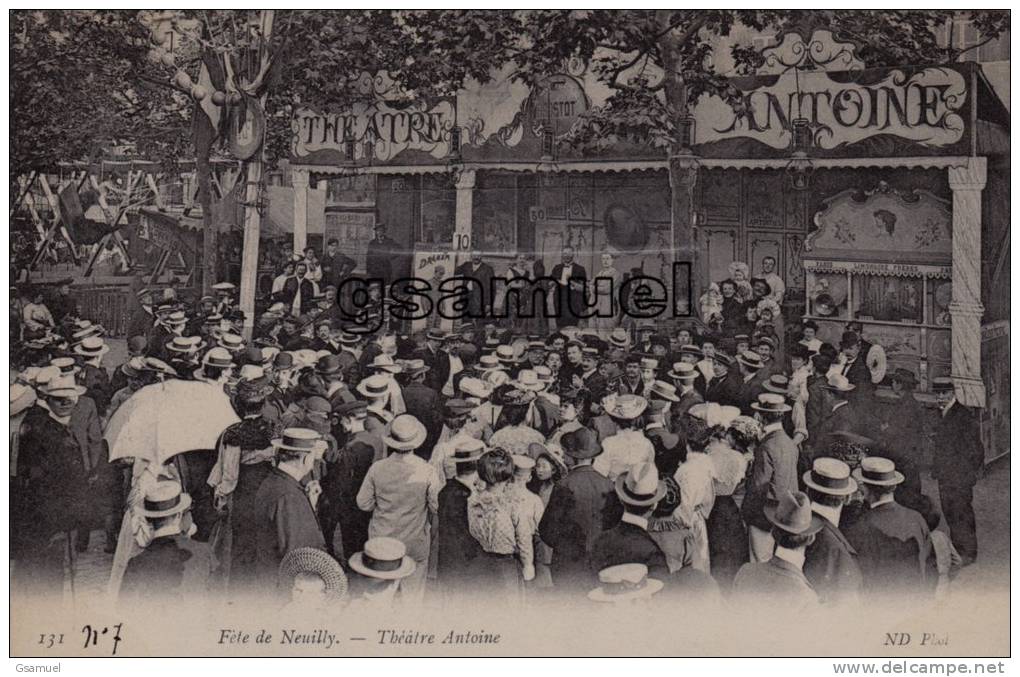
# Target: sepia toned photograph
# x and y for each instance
(510, 333)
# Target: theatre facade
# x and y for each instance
(882, 194)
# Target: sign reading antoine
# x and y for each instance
(822, 82)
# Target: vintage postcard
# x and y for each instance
(514, 332)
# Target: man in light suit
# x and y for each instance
(571, 279)
(773, 474)
(831, 562)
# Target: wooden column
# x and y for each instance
(299, 178)
(683, 177)
(463, 215)
(966, 310)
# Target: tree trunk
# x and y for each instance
(683, 171)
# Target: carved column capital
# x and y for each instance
(299, 178)
(465, 179)
(971, 176)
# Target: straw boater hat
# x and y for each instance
(506, 354)
(300, 439)
(722, 359)
(692, 350)
(640, 486)
(489, 363)
(777, 383)
(649, 363)
(218, 357)
(619, 338)
(224, 287)
(376, 385)
(878, 471)
(66, 366)
(318, 563)
(627, 407)
(352, 409)
(625, 583)
(793, 514)
(231, 342)
(750, 359)
(175, 318)
(404, 433)
(456, 407)
(942, 384)
(383, 558)
(771, 403)
(158, 366)
(664, 391)
(415, 367)
(544, 373)
(684, 372)
(87, 330)
(91, 347)
(528, 380)
(467, 450)
(187, 345)
(830, 476)
(165, 498)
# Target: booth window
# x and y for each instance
(888, 298)
(494, 213)
(438, 211)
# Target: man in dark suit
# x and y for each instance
(335, 265)
(830, 563)
(456, 548)
(854, 362)
(582, 505)
(893, 542)
(436, 359)
(684, 375)
(628, 542)
(480, 301)
(342, 481)
(752, 380)
(724, 388)
(380, 255)
(422, 401)
(773, 474)
(571, 280)
(958, 457)
(331, 369)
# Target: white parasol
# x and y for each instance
(165, 419)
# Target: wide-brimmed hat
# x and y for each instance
(61, 386)
(22, 397)
(91, 347)
(771, 403)
(489, 363)
(165, 498)
(300, 439)
(664, 391)
(415, 367)
(187, 345)
(528, 380)
(839, 383)
(475, 387)
(581, 444)
(218, 357)
(640, 486)
(384, 558)
(404, 433)
(878, 471)
(318, 563)
(374, 386)
(723, 359)
(66, 366)
(627, 407)
(385, 363)
(830, 476)
(625, 583)
(793, 514)
(750, 359)
(328, 365)
(713, 413)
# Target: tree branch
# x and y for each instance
(978, 45)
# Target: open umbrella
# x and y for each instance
(168, 418)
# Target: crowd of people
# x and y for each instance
(735, 459)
